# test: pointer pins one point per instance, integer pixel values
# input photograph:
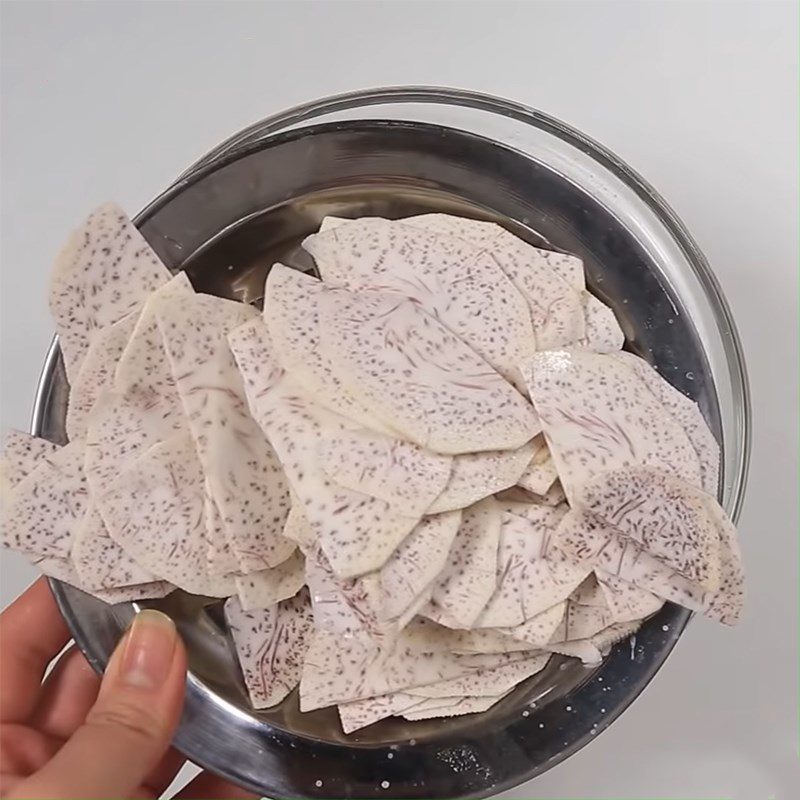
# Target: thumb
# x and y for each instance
(129, 728)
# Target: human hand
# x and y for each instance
(75, 736)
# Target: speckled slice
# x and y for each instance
(100, 563)
(475, 476)
(598, 415)
(267, 587)
(360, 713)
(551, 282)
(243, 473)
(529, 580)
(540, 473)
(48, 504)
(97, 372)
(270, 645)
(291, 311)
(603, 331)
(154, 511)
(398, 472)
(434, 709)
(24, 452)
(358, 533)
(469, 577)
(105, 271)
(687, 414)
(410, 370)
(458, 284)
(143, 407)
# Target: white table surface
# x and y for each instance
(114, 99)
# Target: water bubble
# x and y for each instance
(670, 321)
(390, 755)
(600, 679)
(690, 376)
(526, 713)
(569, 708)
(541, 724)
(385, 784)
(665, 628)
(318, 784)
(602, 711)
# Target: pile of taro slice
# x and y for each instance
(414, 480)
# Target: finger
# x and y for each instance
(211, 787)
(24, 750)
(67, 695)
(128, 730)
(33, 633)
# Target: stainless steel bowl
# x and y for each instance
(393, 152)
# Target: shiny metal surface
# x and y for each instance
(249, 204)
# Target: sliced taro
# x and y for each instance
(155, 512)
(100, 563)
(529, 579)
(49, 503)
(469, 576)
(243, 474)
(686, 413)
(104, 272)
(398, 472)
(97, 373)
(143, 407)
(597, 415)
(291, 311)
(540, 474)
(271, 644)
(475, 476)
(409, 369)
(267, 587)
(458, 284)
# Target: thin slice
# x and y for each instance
(529, 580)
(551, 282)
(47, 505)
(101, 564)
(540, 473)
(63, 569)
(598, 415)
(626, 602)
(463, 705)
(469, 577)
(291, 311)
(664, 515)
(104, 272)
(270, 645)
(460, 285)
(414, 566)
(687, 414)
(267, 587)
(488, 682)
(243, 473)
(97, 372)
(475, 476)
(392, 470)
(410, 369)
(143, 408)
(358, 533)
(340, 669)
(603, 332)
(23, 452)
(360, 713)
(154, 511)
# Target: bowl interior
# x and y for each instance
(226, 225)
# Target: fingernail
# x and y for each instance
(149, 650)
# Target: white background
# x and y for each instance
(113, 100)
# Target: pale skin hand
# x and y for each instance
(72, 736)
